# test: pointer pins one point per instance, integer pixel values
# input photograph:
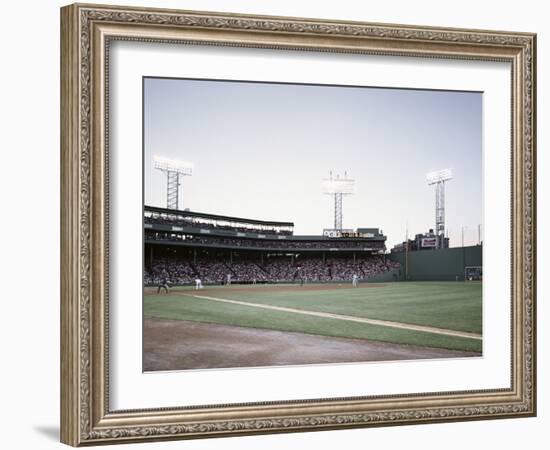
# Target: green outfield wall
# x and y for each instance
(437, 265)
(386, 277)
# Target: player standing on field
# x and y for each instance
(198, 283)
(163, 285)
(354, 280)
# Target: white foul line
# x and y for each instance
(382, 323)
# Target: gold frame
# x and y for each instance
(86, 31)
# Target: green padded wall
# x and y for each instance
(438, 265)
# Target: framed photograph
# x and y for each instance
(276, 224)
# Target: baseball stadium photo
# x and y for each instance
(295, 224)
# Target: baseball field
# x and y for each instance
(265, 325)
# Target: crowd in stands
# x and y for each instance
(197, 222)
(171, 269)
(209, 270)
(274, 269)
(290, 244)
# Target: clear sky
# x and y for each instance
(261, 150)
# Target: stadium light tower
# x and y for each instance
(439, 178)
(338, 187)
(173, 170)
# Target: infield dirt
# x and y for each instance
(251, 288)
(181, 344)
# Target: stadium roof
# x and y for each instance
(216, 217)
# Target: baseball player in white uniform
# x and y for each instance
(198, 283)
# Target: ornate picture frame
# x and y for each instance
(87, 32)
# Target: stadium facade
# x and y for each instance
(184, 245)
(422, 241)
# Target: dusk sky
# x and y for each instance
(261, 150)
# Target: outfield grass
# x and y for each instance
(450, 305)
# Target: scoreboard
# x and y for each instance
(335, 234)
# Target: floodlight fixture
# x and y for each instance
(172, 165)
(173, 170)
(338, 187)
(439, 178)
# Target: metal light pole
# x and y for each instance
(173, 170)
(407, 252)
(338, 187)
(438, 179)
(479, 234)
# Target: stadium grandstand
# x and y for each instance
(181, 246)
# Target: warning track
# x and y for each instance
(326, 315)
